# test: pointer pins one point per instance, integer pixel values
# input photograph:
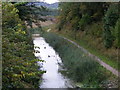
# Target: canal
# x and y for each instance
(52, 78)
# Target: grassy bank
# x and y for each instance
(93, 44)
(96, 51)
(80, 67)
(96, 32)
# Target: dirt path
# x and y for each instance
(108, 67)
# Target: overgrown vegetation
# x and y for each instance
(20, 69)
(80, 67)
(94, 24)
(82, 14)
(110, 20)
(30, 13)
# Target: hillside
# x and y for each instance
(50, 6)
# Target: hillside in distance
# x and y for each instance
(50, 6)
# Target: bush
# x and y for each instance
(84, 21)
(94, 30)
(61, 23)
(108, 38)
(75, 23)
(10, 18)
(117, 34)
(110, 19)
(20, 69)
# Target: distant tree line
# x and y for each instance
(79, 15)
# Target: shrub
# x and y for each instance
(20, 69)
(110, 19)
(84, 21)
(117, 33)
(75, 23)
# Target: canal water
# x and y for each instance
(52, 78)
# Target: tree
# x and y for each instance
(117, 34)
(110, 19)
(30, 13)
(19, 64)
(82, 11)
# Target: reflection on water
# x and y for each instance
(52, 78)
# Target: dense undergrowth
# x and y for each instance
(20, 69)
(96, 29)
(93, 44)
(80, 67)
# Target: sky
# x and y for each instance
(50, 1)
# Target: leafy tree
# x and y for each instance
(79, 14)
(30, 13)
(8, 20)
(117, 33)
(20, 69)
(84, 21)
(110, 19)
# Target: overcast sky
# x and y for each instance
(50, 1)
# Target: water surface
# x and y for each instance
(52, 78)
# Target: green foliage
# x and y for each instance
(95, 30)
(117, 33)
(8, 20)
(69, 16)
(84, 21)
(74, 23)
(20, 69)
(61, 24)
(108, 38)
(36, 31)
(110, 19)
(78, 16)
(80, 67)
(111, 15)
(30, 13)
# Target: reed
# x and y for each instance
(80, 67)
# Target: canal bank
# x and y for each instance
(81, 67)
(52, 78)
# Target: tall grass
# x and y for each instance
(93, 43)
(81, 68)
(36, 30)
